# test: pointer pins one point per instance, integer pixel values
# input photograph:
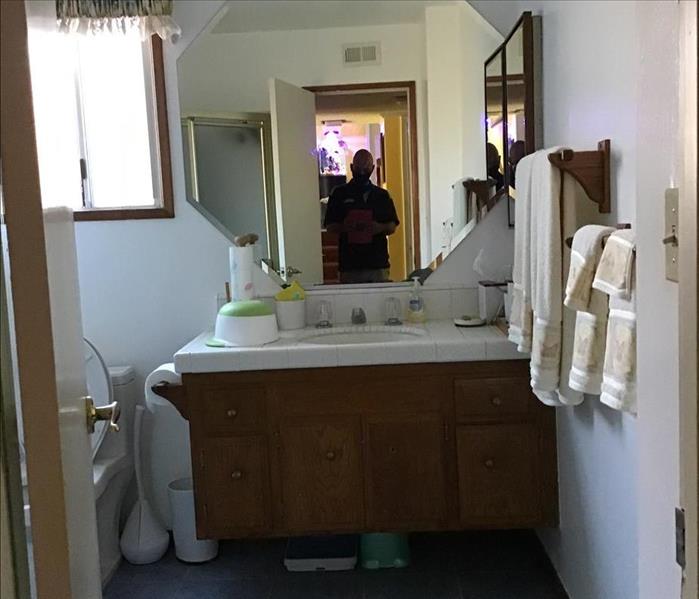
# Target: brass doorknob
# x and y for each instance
(232, 413)
(236, 475)
(496, 401)
(330, 455)
(489, 463)
(110, 413)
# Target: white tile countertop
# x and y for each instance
(436, 341)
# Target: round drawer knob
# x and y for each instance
(236, 475)
(330, 455)
(489, 463)
(496, 401)
(232, 413)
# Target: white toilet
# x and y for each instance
(113, 466)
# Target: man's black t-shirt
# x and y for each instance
(350, 197)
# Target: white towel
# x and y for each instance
(591, 308)
(616, 277)
(614, 272)
(520, 331)
(588, 346)
(554, 216)
(619, 379)
(584, 257)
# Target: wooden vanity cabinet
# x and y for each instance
(370, 448)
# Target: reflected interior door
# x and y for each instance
(297, 194)
(48, 333)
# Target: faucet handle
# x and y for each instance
(392, 308)
(358, 316)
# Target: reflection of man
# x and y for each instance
(492, 159)
(363, 215)
(516, 153)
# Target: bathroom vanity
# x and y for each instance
(427, 445)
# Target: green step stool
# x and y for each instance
(384, 550)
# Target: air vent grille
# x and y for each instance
(361, 54)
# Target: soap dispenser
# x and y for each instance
(416, 305)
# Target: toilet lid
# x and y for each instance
(99, 387)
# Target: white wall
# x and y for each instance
(457, 42)
(589, 75)
(610, 71)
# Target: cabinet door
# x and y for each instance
(499, 478)
(405, 485)
(322, 474)
(235, 473)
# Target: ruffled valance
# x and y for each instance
(148, 17)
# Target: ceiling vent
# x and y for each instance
(364, 54)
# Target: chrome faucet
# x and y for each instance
(358, 316)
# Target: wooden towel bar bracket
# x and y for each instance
(590, 169)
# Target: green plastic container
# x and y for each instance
(384, 550)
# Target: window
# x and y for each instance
(101, 124)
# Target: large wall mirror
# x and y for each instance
(513, 105)
(278, 97)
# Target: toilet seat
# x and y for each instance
(99, 387)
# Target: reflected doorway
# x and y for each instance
(381, 118)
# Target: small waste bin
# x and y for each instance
(187, 547)
(384, 550)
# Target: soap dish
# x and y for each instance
(469, 321)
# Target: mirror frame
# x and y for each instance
(261, 121)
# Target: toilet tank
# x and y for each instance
(125, 389)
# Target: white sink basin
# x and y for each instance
(370, 334)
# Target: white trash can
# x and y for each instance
(187, 547)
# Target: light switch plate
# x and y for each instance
(672, 196)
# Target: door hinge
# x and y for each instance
(83, 181)
(201, 459)
(680, 554)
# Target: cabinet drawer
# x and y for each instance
(499, 473)
(234, 411)
(491, 399)
(235, 475)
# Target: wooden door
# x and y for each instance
(406, 462)
(48, 340)
(499, 481)
(236, 498)
(321, 472)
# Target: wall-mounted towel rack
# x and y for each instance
(590, 169)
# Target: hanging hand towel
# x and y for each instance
(619, 379)
(584, 257)
(591, 308)
(520, 330)
(559, 205)
(613, 274)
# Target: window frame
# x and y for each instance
(167, 210)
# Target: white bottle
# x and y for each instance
(416, 305)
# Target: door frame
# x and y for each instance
(32, 315)
(409, 88)
(688, 154)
